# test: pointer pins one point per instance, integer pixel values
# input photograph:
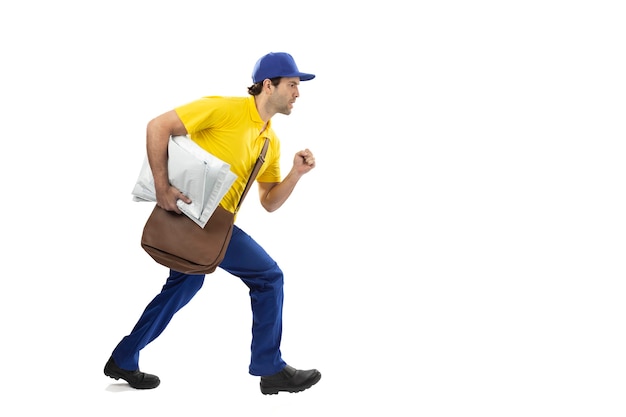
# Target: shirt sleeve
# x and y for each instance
(204, 113)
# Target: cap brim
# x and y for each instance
(305, 77)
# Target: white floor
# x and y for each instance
(389, 344)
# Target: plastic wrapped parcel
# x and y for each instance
(202, 177)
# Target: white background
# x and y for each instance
(459, 249)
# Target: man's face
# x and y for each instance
(285, 94)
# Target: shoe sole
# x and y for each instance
(274, 390)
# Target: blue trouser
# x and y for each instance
(245, 259)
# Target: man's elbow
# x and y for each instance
(270, 207)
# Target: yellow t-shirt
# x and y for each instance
(230, 128)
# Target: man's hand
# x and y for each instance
(167, 199)
(304, 161)
(274, 194)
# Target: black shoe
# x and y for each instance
(289, 380)
(135, 379)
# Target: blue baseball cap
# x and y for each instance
(277, 64)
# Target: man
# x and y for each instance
(234, 130)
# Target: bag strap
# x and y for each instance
(257, 166)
